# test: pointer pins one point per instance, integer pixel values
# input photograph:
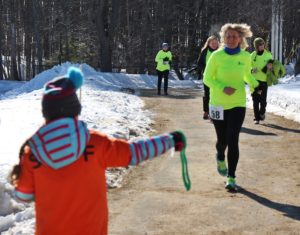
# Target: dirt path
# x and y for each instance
(153, 200)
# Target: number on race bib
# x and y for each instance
(216, 112)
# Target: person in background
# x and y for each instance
(163, 59)
(225, 74)
(211, 44)
(175, 62)
(62, 166)
(260, 59)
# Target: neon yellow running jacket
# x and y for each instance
(159, 59)
(258, 63)
(224, 70)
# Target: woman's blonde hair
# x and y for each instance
(243, 30)
(213, 37)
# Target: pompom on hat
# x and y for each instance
(59, 96)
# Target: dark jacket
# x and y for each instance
(201, 62)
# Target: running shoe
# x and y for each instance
(221, 167)
(230, 184)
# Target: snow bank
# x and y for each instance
(12, 213)
(9, 85)
(104, 81)
(284, 98)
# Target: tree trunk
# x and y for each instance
(297, 65)
(33, 64)
(36, 11)
(27, 38)
(19, 65)
(1, 43)
(144, 35)
(103, 36)
(1, 65)
(128, 59)
(14, 68)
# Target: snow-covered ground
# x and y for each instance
(284, 98)
(105, 108)
(8, 85)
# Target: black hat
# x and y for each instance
(60, 98)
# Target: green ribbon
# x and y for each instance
(184, 165)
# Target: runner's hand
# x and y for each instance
(229, 90)
(254, 70)
(270, 66)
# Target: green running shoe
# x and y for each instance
(221, 166)
(230, 184)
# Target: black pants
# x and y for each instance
(206, 99)
(161, 75)
(228, 131)
(260, 100)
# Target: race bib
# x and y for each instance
(216, 112)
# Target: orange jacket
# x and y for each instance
(63, 170)
(72, 200)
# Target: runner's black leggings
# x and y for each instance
(260, 100)
(206, 99)
(228, 131)
(162, 74)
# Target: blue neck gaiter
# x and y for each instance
(232, 51)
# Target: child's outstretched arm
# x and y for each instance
(118, 152)
(146, 149)
(150, 148)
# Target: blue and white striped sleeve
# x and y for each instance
(143, 150)
(24, 195)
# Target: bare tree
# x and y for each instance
(127, 34)
(13, 41)
(1, 40)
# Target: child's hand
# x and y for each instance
(178, 138)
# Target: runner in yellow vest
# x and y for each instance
(163, 59)
(260, 58)
(225, 74)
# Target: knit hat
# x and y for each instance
(258, 42)
(164, 45)
(59, 96)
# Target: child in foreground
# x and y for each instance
(62, 166)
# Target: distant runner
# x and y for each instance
(163, 59)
